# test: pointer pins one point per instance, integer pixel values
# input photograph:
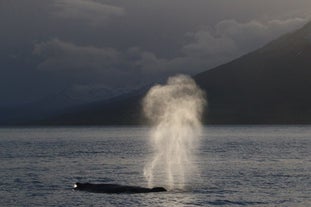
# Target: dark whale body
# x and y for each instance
(115, 188)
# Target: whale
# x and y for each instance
(115, 188)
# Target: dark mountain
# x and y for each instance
(122, 110)
(269, 85)
(66, 101)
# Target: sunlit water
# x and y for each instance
(239, 166)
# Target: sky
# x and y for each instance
(113, 45)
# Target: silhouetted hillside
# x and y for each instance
(269, 85)
(123, 110)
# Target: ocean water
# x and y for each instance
(239, 166)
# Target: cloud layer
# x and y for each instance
(83, 64)
(205, 48)
(102, 43)
(93, 12)
(230, 38)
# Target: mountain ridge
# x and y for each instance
(270, 85)
(273, 80)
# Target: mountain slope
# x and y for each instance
(121, 110)
(65, 101)
(269, 85)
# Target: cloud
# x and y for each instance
(230, 38)
(205, 49)
(84, 64)
(60, 55)
(212, 46)
(155, 66)
(93, 12)
(207, 45)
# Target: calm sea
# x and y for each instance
(240, 166)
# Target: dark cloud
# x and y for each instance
(133, 67)
(211, 46)
(84, 63)
(92, 12)
(60, 55)
(104, 44)
(230, 38)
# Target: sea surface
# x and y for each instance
(239, 166)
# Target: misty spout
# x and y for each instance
(175, 111)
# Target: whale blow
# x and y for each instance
(175, 110)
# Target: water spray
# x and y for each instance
(175, 111)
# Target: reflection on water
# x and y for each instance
(240, 166)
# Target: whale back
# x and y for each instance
(115, 188)
(158, 189)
